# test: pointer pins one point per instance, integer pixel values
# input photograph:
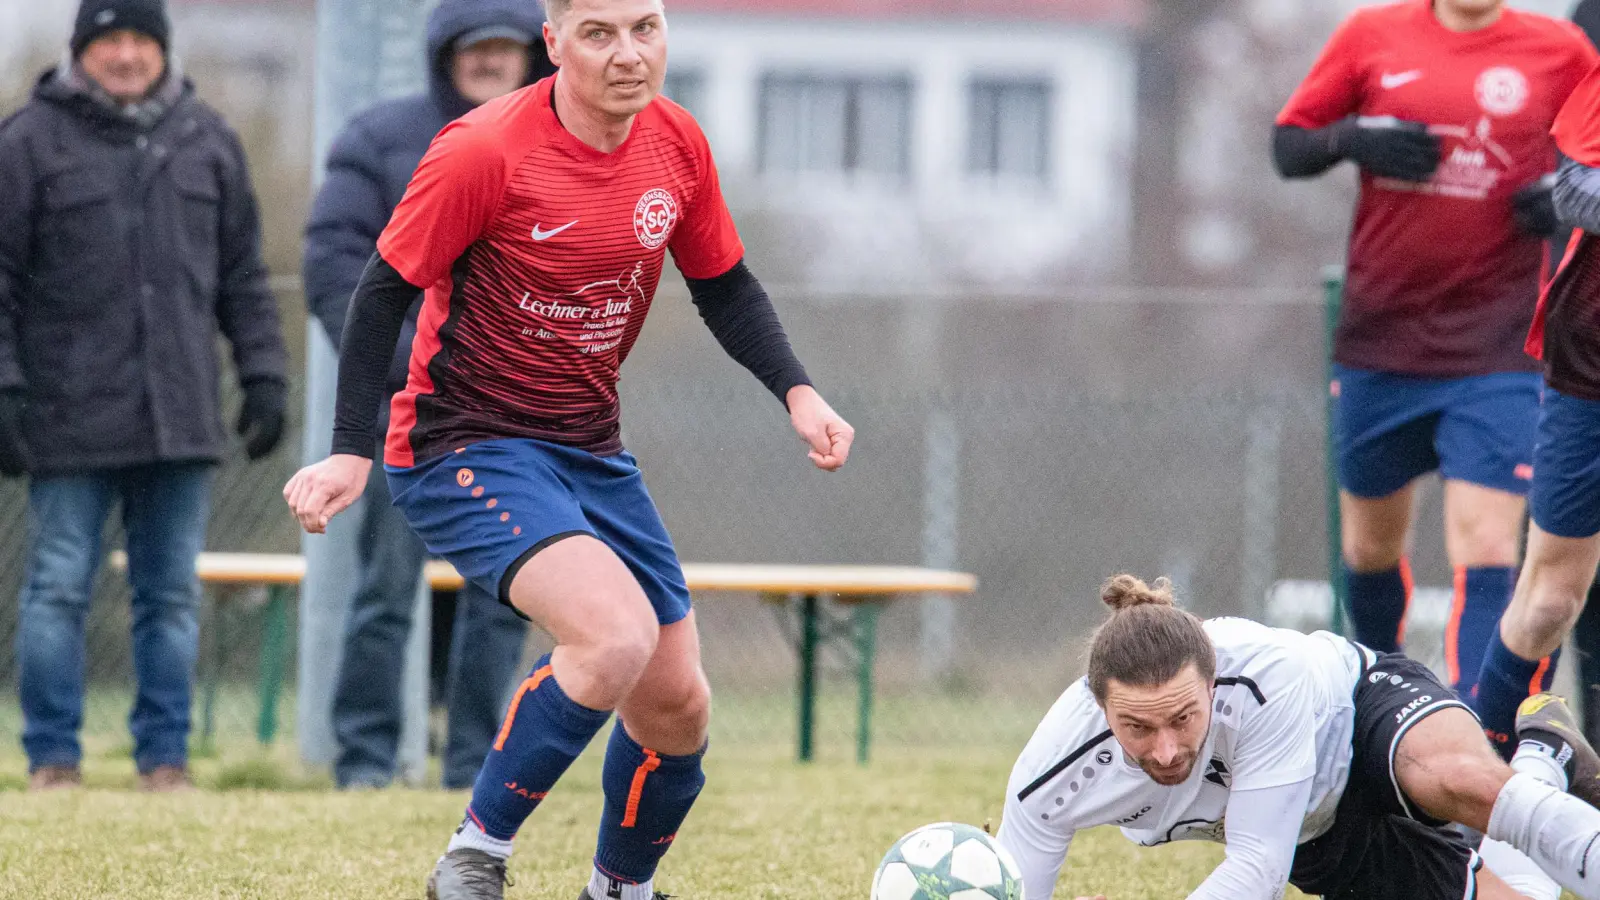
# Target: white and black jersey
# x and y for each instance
(1282, 717)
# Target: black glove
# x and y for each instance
(1533, 208)
(261, 415)
(1388, 147)
(13, 450)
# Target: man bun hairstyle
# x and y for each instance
(1147, 640)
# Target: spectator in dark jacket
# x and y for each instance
(477, 50)
(128, 239)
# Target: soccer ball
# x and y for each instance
(947, 861)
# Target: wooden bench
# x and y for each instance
(857, 594)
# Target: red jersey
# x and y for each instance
(1566, 329)
(1440, 282)
(541, 255)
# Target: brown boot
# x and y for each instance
(166, 780)
(54, 778)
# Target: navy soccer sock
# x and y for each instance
(1481, 595)
(544, 732)
(1504, 681)
(648, 795)
(1377, 605)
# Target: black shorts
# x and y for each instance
(1381, 847)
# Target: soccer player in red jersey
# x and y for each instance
(1445, 106)
(1564, 536)
(538, 225)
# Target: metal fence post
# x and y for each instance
(1333, 297)
(366, 50)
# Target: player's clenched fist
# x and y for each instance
(818, 425)
(321, 491)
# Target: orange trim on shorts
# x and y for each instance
(1410, 586)
(1536, 684)
(531, 683)
(650, 764)
(1452, 629)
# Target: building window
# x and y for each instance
(831, 124)
(687, 88)
(1010, 131)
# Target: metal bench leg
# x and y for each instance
(866, 630)
(809, 639)
(208, 707)
(274, 644)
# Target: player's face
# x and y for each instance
(613, 52)
(126, 64)
(489, 69)
(1162, 728)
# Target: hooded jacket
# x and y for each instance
(129, 238)
(371, 161)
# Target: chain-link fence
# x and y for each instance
(1041, 445)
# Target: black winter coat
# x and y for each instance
(125, 248)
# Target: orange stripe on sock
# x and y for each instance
(1405, 613)
(1536, 684)
(531, 683)
(1452, 630)
(650, 764)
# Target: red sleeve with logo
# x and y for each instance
(1332, 89)
(450, 201)
(705, 244)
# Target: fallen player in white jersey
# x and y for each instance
(1316, 761)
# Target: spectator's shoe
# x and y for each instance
(468, 874)
(55, 778)
(166, 780)
(588, 896)
(1546, 719)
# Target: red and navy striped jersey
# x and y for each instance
(540, 256)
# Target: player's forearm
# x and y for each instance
(1263, 827)
(1577, 195)
(377, 313)
(741, 317)
(1304, 152)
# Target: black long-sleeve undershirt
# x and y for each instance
(742, 319)
(1304, 152)
(371, 328)
(733, 305)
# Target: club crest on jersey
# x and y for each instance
(1502, 91)
(654, 217)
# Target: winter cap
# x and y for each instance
(100, 17)
(490, 32)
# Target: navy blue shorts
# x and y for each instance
(491, 506)
(1566, 467)
(1389, 429)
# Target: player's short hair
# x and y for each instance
(1148, 640)
(555, 9)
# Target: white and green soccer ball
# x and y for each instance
(947, 861)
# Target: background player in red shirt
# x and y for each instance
(1445, 106)
(539, 224)
(1564, 536)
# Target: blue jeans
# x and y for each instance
(485, 656)
(164, 510)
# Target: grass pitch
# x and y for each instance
(766, 827)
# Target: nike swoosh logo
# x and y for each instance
(1394, 80)
(540, 234)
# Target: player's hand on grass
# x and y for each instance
(1388, 147)
(322, 490)
(828, 434)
